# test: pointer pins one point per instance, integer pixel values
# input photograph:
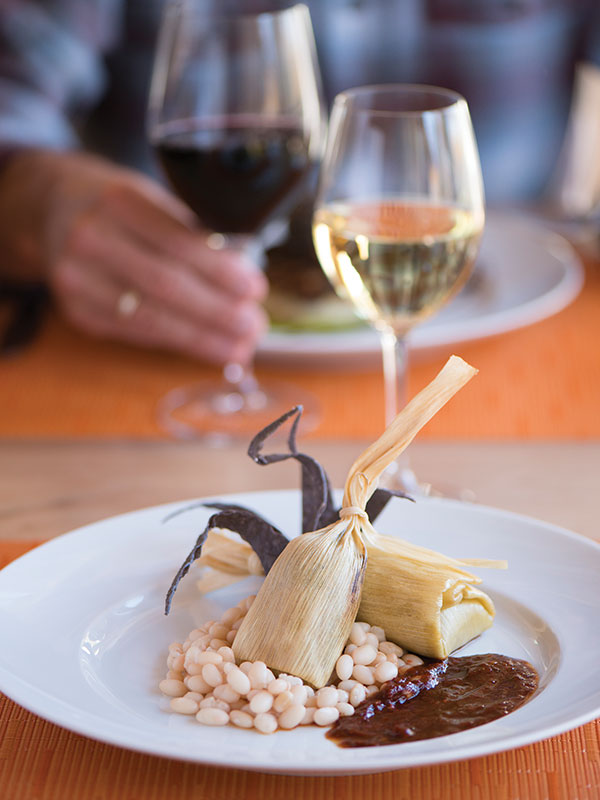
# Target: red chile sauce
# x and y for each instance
(445, 697)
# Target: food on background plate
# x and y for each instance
(300, 297)
(319, 584)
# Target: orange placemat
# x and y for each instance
(39, 761)
(537, 383)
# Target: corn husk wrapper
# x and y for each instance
(426, 602)
(302, 615)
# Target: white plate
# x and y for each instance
(525, 273)
(83, 637)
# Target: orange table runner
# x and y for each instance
(539, 382)
(39, 761)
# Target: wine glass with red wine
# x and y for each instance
(237, 121)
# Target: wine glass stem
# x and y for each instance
(394, 351)
(399, 474)
(241, 386)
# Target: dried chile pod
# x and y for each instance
(317, 504)
(379, 500)
(266, 540)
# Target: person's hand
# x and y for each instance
(125, 259)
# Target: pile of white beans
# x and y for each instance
(204, 680)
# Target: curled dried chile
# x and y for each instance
(265, 539)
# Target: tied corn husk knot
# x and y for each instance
(304, 610)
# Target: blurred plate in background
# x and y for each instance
(524, 274)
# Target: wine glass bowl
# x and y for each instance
(399, 212)
(237, 124)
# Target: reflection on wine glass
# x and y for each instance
(399, 214)
(236, 120)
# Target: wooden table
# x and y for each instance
(52, 486)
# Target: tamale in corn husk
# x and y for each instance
(424, 601)
(305, 608)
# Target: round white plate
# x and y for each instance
(524, 274)
(83, 639)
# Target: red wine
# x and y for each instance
(237, 177)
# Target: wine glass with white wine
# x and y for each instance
(398, 216)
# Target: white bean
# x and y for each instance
(345, 709)
(178, 662)
(174, 675)
(212, 716)
(231, 636)
(216, 644)
(309, 715)
(241, 719)
(196, 683)
(373, 641)
(299, 694)
(261, 702)
(231, 615)
(362, 674)
(342, 695)
(212, 702)
(343, 667)
(194, 669)
(226, 693)
(265, 723)
(292, 716)
(239, 681)
(245, 666)
(327, 696)
(347, 686)
(326, 716)
(282, 701)
(194, 696)
(385, 672)
(390, 647)
(378, 632)
(247, 602)
(278, 686)
(184, 705)
(258, 675)
(212, 675)
(358, 635)
(208, 657)
(172, 688)
(411, 659)
(358, 694)
(226, 654)
(365, 654)
(372, 689)
(218, 631)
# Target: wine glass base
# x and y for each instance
(220, 415)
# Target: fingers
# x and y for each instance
(122, 233)
(164, 281)
(90, 298)
(148, 215)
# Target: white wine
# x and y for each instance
(398, 261)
